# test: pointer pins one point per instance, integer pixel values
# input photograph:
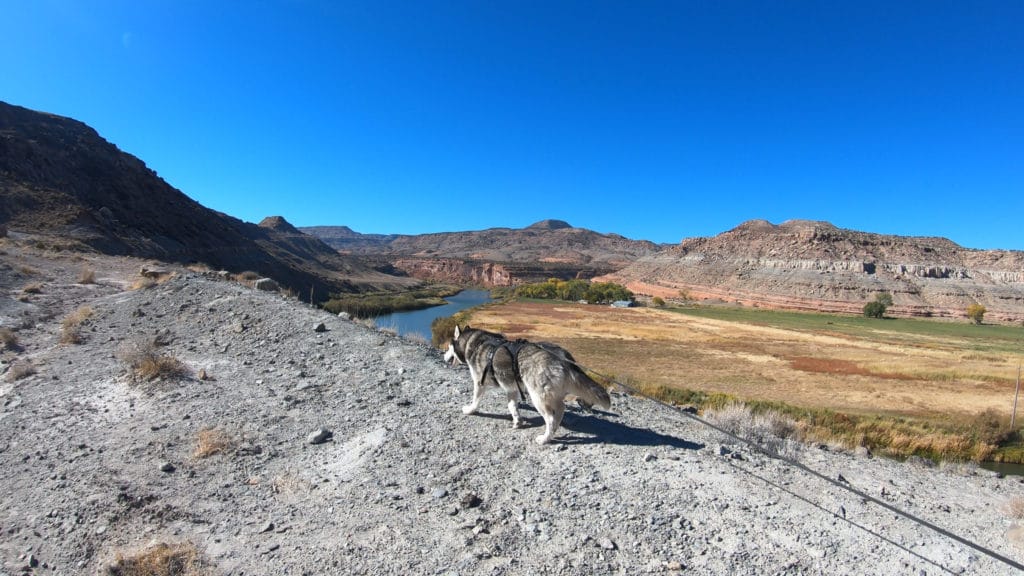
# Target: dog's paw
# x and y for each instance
(542, 439)
(516, 424)
(468, 409)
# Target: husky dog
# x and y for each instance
(543, 371)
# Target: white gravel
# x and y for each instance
(406, 484)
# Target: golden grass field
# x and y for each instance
(918, 369)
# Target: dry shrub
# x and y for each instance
(87, 276)
(210, 441)
(290, 487)
(70, 327)
(1015, 508)
(8, 339)
(143, 283)
(151, 277)
(161, 559)
(768, 429)
(34, 288)
(146, 363)
(19, 370)
(417, 338)
(248, 277)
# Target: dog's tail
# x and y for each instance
(588, 392)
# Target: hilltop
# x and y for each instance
(59, 178)
(224, 459)
(812, 265)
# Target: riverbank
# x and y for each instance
(369, 305)
(419, 324)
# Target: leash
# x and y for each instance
(780, 457)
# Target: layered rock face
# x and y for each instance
(491, 274)
(496, 256)
(817, 266)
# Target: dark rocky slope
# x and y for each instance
(59, 177)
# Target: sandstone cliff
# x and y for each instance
(817, 266)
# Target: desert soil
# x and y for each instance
(94, 464)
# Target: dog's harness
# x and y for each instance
(513, 347)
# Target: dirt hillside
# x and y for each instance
(228, 459)
(59, 178)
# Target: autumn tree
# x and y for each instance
(976, 312)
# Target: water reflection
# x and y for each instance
(417, 322)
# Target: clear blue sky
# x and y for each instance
(655, 120)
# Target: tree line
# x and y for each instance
(575, 291)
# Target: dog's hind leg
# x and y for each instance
(513, 409)
(552, 412)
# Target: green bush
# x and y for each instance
(877, 307)
(874, 310)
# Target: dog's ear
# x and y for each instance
(457, 332)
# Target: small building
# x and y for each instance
(622, 304)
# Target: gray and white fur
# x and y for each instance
(543, 371)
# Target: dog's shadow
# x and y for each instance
(598, 428)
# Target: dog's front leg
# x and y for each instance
(478, 391)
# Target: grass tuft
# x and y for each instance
(87, 276)
(19, 370)
(71, 326)
(161, 559)
(33, 288)
(210, 441)
(143, 283)
(247, 277)
(8, 339)
(768, 428)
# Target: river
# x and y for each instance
(417, 322)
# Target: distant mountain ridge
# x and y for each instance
(495, 256)
(58, 176)
(812, 265)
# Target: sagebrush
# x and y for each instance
(146, 363)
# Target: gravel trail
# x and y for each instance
(94, 464)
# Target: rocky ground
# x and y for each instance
(96, 464)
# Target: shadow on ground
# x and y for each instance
(600, 428)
